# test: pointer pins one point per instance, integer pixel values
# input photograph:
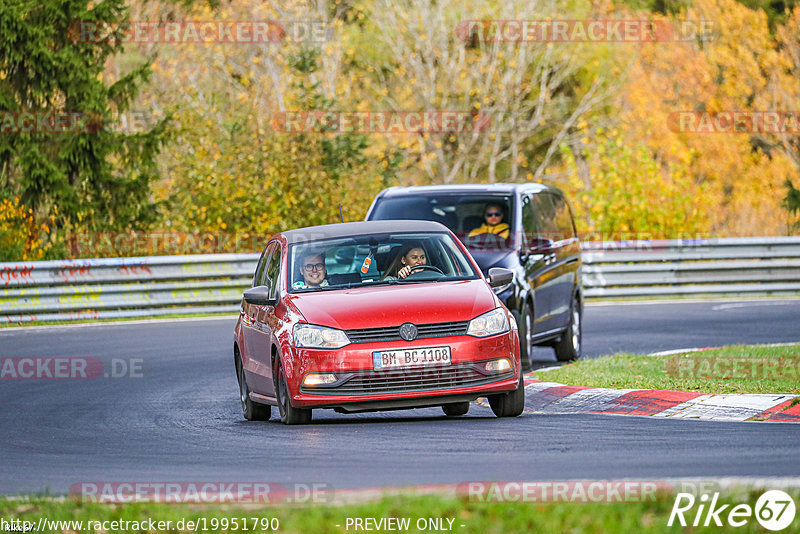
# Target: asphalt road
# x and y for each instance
(180, 419)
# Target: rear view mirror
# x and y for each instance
(259, 296)
(499, 277)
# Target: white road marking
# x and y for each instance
(749, 304)
(755, 300)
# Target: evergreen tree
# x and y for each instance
(96, 178)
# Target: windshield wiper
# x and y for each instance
(381, 283)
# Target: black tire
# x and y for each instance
(289, 414)
(525, 331)
(569, 347)
(509, 404)
(455, 409)
(251, 410)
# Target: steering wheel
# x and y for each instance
(424, 267)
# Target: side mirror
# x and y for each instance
(499, 277)
(259, 296)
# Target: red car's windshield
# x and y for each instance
(376, 259)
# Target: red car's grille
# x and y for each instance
(420, 379)
(392, 333)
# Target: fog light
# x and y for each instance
(498, 366)
(319, 379)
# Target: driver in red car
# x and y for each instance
(312, 267)
(410, 256)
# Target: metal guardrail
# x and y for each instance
(692, 267)
(149, 286)
(123, 287)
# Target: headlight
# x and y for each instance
(489, 324)
(319, 337)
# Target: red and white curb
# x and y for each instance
(555, 398)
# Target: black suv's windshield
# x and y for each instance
(480, 221)
(375, 260)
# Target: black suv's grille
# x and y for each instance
(392, 333)
(419, 379)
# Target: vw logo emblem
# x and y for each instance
(408, 332)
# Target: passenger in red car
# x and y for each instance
(410, 256)
(312, 267)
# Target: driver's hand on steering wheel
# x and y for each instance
(405, 271)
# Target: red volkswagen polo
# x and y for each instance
(369, 316)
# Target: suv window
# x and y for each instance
(544, 210)
(553, 217)
(461, 213)
(563, 218)
(528, 220)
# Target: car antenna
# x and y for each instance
(341, 216)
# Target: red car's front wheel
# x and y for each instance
(509, 404)
(289, 414)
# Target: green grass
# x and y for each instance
(483, 518)
(734, 369)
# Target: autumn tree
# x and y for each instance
(228, 168)
(433, 55)
(736, 178)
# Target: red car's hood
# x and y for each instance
(420, 303)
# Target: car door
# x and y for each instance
(534, 264)
(249, 314)
(565, 262)
(267, 322)
(257, 334)
(545, 249)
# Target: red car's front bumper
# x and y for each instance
(363, 388)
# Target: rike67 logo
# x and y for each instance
(774, 510)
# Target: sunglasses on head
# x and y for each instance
(493, 213)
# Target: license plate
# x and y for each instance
(423, 356)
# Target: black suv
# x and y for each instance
(539, 245)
